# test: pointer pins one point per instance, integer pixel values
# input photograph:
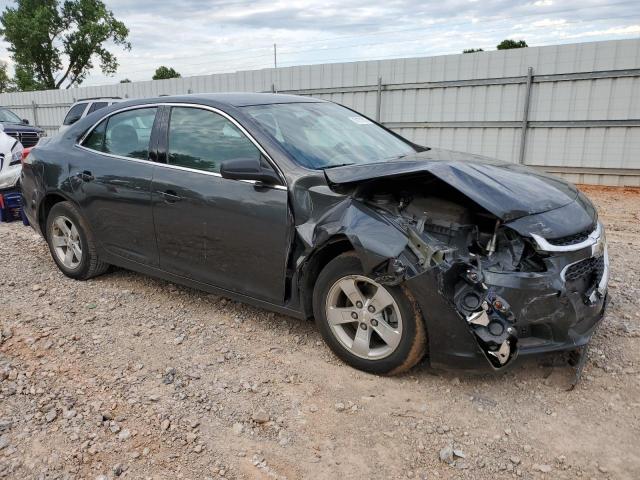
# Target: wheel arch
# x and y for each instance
(45, 206)
(317, 260)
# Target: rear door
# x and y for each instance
(112, 183)
(227, 233)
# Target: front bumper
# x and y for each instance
(550, 311)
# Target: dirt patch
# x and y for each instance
(129, 376)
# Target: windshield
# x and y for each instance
(325, 135)
(7, 116)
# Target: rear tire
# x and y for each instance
(71, 243)
(372, 327)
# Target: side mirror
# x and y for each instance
(25, 121)
(248, 169)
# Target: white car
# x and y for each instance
(84, 107)
(10, 161)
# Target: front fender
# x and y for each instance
(374, 238)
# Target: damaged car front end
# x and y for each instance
(502, 261)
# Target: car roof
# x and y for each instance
(99, 99)
(246, 99)
(232, 99)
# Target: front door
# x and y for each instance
(226, 233)
(111, 176)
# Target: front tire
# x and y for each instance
(372, 327)
(71, 243)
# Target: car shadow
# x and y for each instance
(551, 369)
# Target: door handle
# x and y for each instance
(170, 196)
(85, 176)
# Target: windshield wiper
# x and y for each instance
(338, 165)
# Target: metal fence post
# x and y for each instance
(34, 108)
(525, 116)
(379, 99)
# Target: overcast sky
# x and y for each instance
(199, 37)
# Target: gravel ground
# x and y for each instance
(129, 376)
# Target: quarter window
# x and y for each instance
(95, 140)
(202, 140)
(125, 134)
(74, 114)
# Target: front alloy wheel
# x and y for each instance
(373, 327)
(364, 317)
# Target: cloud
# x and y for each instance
(199, 36)
(616, 31)
(547, 22)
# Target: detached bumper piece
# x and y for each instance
(490, 319)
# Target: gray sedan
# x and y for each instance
(310, 209)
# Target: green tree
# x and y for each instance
(59, 42)
(508, 44)
(164, 73)
(6, 84)
(472, 50)
(125, 80)
(24, 79)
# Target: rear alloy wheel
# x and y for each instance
(71, 243)
(66, 242)
(373, 327)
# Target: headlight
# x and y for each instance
(600, 247)
(42, 134)
(16, 154)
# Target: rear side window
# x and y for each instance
(96, 106)
(74, 114)
(125, 134)
(202, 139)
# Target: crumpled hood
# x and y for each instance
(506, 190)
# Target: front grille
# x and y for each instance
(27, 139)
(588, 269)
(570, 239)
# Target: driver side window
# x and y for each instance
(202, 140)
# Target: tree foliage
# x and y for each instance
(164, 73)
(472, 50)
(6, 84)
(125, 80)
(54, 44)
(24, 79)
(508, 44)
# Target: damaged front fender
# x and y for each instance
(374, 238)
